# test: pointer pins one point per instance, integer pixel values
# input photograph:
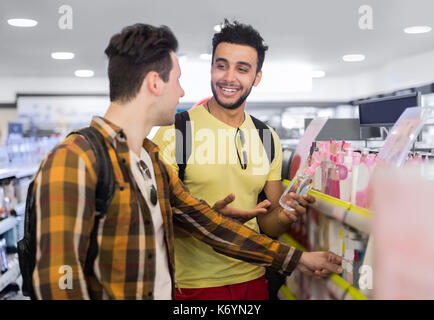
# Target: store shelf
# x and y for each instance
(7, 224)
(335, 283)
(349, 292)
(18, 172)
(20, 209)
(26, 171)
(6, 173)
(285, 294)
(289, 240)
(11, 275)
(345, 212)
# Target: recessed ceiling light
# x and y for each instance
(84, 73)
(417, 29)
(217, 28)
(206, 56)
(62, 55)
(23, 23)
(318, 74)
(353, 57)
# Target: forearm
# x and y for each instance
(226, 235)
(233, 239)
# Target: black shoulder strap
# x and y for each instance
(183, 141)
(265, 132)
(104, 188)
(105, 185)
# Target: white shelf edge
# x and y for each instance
(27, 171)
(357, 221)
(343, 215)
(7, 224)
(18, 172)
(20, 208)
(11, 275)
(6, 173)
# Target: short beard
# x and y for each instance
(235, 105)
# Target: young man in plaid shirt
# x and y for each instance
(135, 238)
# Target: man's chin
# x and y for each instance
(166, 122)
(230, 105)
(233, 105)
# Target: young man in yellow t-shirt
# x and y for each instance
(228, 157)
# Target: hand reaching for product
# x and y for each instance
(320, 264)
(297, 205)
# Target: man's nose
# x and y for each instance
(230, 75)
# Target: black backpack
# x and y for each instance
(103, 196)
(184, 138)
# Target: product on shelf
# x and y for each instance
(21, 186)
(302, 181)
(3, 256)
(24, 151)
(3, 204)
(9, 190)
(354, 246)
(4, 157)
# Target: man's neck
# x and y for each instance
(232, 117)
(130, 119)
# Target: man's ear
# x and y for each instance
(257, 78)
(153, 83)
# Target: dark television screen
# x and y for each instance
(386, 111)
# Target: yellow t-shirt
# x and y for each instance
(213, 171)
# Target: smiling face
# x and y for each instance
(233, 74)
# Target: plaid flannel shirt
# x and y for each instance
(125, 264)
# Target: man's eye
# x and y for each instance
(243, 70)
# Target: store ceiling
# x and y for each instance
(313, 32)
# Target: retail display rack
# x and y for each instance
(347, 214)
(11, 226)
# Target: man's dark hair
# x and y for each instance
(239, 33)
(133, 53)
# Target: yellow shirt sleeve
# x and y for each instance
(165, 139)
(276, 166)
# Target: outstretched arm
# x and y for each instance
(233, 239)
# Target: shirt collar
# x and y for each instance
(113, 132)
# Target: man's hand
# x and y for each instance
(241, 215)
(290, 216)
(320, 264)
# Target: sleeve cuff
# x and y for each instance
(290, 260)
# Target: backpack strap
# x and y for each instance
(26, 247)
(104, 188)
(263, 131)
(183, 141)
